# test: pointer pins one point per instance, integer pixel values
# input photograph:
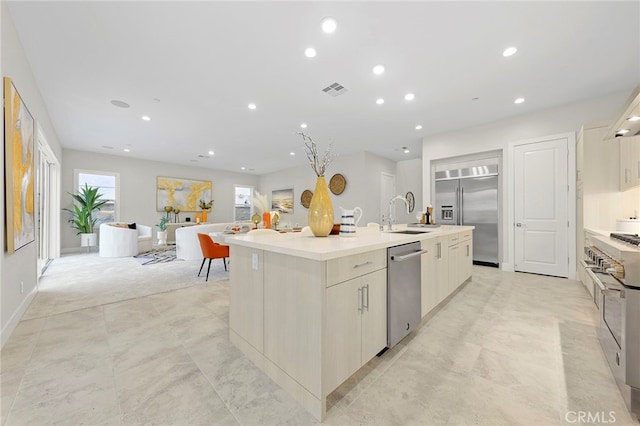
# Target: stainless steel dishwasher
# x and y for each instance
(403, 290)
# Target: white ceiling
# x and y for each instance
(193, 67)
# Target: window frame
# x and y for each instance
(76, 186)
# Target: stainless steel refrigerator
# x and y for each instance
(470, 197)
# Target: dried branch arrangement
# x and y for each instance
(319, 165)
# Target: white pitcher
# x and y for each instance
(348, 222)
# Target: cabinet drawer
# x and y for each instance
(346, 268)
(465, 235)
(453, 239)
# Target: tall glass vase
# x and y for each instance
(321, 210)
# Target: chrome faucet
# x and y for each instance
(390, 217)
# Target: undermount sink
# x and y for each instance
(408, 231)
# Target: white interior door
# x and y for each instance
(541, 208)
(387, 192)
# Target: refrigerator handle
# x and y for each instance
(461, 206)
(457, 205)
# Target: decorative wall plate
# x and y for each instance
(412, 201)
(337, 184)
(305, 198)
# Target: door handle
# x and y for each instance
(366, 306)
(439, 250)
(360, 300)
(520, 225)
(457, 206)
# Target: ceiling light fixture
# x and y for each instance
(292, 153)
(303, 126)
(379, 101)
(242, 168)
(252, 106)
(622, 131)
(126, 150)
(418, 127)
(405, 150)
(634, 118)
(378, 69)
(509, 51)
(329, 24)
(310, 52)
(409, 97)
(211, 152)
(120, 104)
(146, 118)
(518, 101)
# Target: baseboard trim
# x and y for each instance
(16, 317)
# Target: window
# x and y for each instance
(243, 203)
(108, 186)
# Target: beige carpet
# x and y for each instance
(81, 281)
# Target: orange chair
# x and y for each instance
(212, 250)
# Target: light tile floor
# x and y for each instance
(507, 349)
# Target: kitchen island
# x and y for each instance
(311, 311)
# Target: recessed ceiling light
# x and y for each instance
(126, 150)
(409, 97)
(509, 51)
(329, 25)
(418, 127)
(622, 131)
(378, 69)
(303, 125)
(634, 118)
(405, 150)
(379, 101)
(310, 52)
(292, 153)
(518, 101)
(242, 168)
(146, 118)
(211, 152)
(252, 106)
(120, 104)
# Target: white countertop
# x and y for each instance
(335, 246)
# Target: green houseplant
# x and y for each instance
(87, 201)
(162, 233)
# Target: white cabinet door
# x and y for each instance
(374, 314)
(246, 317)
(428, 279)
(442, 269)
(466, 260)
(454, 268)
(343, 355)
(629, 162)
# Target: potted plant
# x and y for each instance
(86, 202)
(162, 233)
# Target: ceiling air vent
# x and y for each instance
(203, 156)
(335, 89)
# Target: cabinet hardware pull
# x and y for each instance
(368, 262)
(365, 305)
(467, 250)
(360, 300)
(439, 250)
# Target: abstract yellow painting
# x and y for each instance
(20, 169)
(183, 194)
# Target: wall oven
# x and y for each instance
(613, 264)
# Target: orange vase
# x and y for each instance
(204, 215)
(198, 217)
(266, 219)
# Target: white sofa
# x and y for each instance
(187, 243)
(118, 241)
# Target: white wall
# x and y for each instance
(138, 188)
(20, 266)
(362, 173)
(498, 135)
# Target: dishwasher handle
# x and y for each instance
(409, 255)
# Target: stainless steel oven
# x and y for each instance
(614, 267)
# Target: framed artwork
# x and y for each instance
(19, 157)
(183, 194)
(282, 200)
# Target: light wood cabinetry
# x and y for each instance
(445, 267)
(629, 162)
(246, 317)
(357, 318)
